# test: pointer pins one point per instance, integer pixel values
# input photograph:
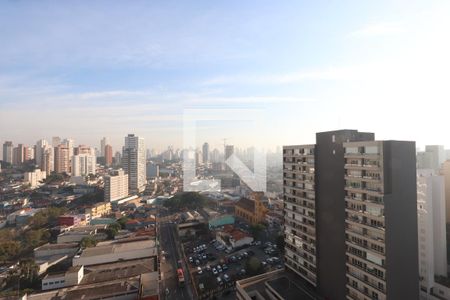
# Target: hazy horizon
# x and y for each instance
(135, 68)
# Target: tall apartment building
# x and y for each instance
(47, 161)
(56, 140)
(445, 171)
(18, 154)
(108, 155)
(134, 163)
(116, 185)
(103, 142)
(28, 154)
(205, 152)
(8, 151)
(431, 230)
(83, 164)
(351, 216)
(83, 149)
(39, 151)
(431, 158)
(62, 159)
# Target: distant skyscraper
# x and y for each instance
(205, 151)
(432, 158)
(116, 185)
(83, 149)
(83, 164)
(351, 216)
(104, 141)
(108, 155)
(39, 152)
(62, 161)
(18, 154)
(70, 144)
(28, 154)
(56, 141)
(47, 163)
(229, 150)
(8, 152)
(118, 158)
(134, 163)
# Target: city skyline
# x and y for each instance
(90, 80)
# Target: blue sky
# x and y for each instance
(85, 69)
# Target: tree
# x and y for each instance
(34, 238)
(253, 266)
(88, 242)
(9, 250)
(186, 200)
(256, 230)
(123, 221)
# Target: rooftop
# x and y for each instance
(247, 204)
(283, 283)
(118, 247)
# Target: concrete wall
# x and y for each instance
(402, 271)
(330, 210)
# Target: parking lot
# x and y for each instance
(215, 271)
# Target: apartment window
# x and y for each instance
(351, 150)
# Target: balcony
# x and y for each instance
(366, 235)
(366, 281)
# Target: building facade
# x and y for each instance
(134, 163)
(344, 197)
(62, 159)
(83, 164)
(8, 150)
(108, 155)
(251, 209)
(431, 230)
(116, 186)
(34, 178)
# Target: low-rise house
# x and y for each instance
(232, 237)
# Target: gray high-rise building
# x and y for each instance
(351, 216)
(432, 158)
(8, 150)
(205, 153)
(134, 163)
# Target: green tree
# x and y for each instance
(9, 250)
(253, 266)
(256, 230)
(88, 242)
(123, 221)
(34, 238)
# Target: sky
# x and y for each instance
(88, 69)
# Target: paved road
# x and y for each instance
(170, 244)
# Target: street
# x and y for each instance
(169, 264)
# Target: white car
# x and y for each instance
(215, 271)
(199, 270)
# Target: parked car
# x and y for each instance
(224, 267)
(219, 268)
(226, 277)
(197, 262)
(199, 270)
(191, 260)
(208, 268)
(214, 270)
(219, 280)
